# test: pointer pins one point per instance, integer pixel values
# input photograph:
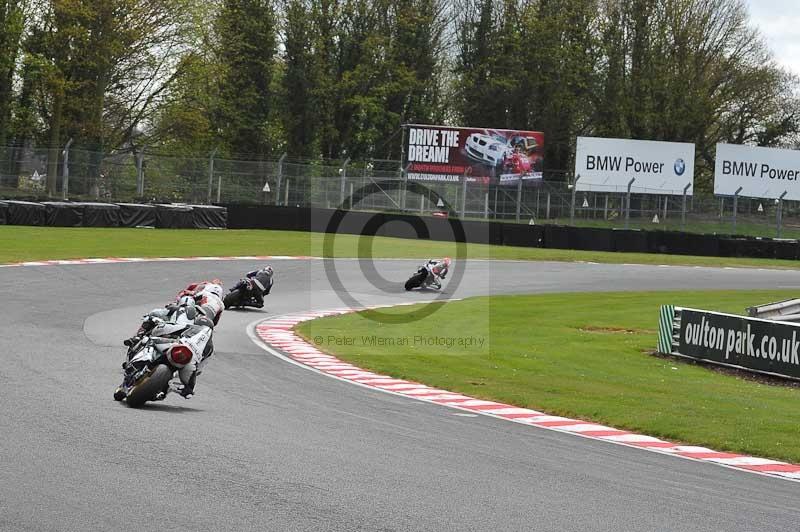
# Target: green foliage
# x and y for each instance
(335, 79)
(246, 32)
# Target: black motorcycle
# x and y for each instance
(245, 293)
(424, 278)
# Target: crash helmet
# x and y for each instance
(214, 287)
(447, 261)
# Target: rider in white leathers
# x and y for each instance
(437, 269)
(206, 296)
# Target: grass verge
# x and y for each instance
(582, 356)
(20, 243)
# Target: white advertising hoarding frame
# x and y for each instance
(760, 172)
(608, 165)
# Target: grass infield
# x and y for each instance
(21, 243)
(579, 355)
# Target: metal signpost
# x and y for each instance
(628, 203)
(735, 206)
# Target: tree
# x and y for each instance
(101, 68)
(247, 33)
(300, 116)
(12, 24)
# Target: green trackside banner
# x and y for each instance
(758, 345)
(665, 324)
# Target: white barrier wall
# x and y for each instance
(761, 172)
(607, 165)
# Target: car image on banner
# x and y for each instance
(442, 153)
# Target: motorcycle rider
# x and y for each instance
(262, 279)
(437, 269)
(206, 296)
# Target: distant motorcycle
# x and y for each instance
(429, 275)
(250, 291)
(162, 348)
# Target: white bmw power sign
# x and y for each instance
(761, 172)
(608, 165)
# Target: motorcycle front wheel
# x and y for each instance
(232, 298)
(148, 387)
(416, 280)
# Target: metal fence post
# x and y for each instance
(211, 174)
(519, 196)
(404, 192)
(628, 204)
(350, 197)
(780, 212)
(286, 192)
(735, 207)
(65, 170)
(140, 173)
(486, 205)
(572, 203)
(463, 196)
(547, 208)
(219, 188)
(342, 185)
(683, 207)
(279, 180)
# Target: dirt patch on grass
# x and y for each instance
(616, 330)
(732, 372)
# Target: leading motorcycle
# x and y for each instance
(428, 275)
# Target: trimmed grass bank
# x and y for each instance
(20, 243)
(581, 356)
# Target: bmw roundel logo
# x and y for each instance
(680, 167)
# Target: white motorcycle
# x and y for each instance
(163, 347)
(428, 275)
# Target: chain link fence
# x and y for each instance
(374, 185)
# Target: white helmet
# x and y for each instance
(213, 288)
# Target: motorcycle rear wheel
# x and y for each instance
(147, 389)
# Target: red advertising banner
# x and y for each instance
(448, 154)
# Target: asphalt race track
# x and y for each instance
(265, 445)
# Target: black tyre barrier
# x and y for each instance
(209, 217)
(528, 236)
(26, 213)
(137, 215)
(17, 212)
(100, 214)
(63, 214)
(787, 250)
(269, 217)
(174, 217)
(676, 243)
(512, 234)
(629, 241)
